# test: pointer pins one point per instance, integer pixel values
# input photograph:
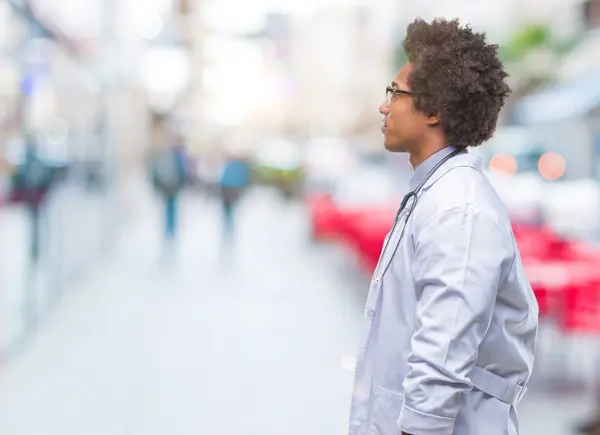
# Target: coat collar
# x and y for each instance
(462, 159)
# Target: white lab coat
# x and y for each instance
(450, 328)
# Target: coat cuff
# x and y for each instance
(415, 422)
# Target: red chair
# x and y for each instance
(548, 281)
(546, 299)
(580, 327)
(324, 217)
(581, 308)
(363, 230)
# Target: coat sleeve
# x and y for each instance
(461, 257)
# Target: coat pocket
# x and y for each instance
(386, 412)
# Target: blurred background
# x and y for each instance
(194, 194)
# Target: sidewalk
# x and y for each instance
(70, 240)
(200, 347)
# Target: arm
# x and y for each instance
(461, 257)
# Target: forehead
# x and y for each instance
(401, 80)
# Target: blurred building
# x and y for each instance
(341, 61)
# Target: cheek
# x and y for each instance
(400, 116)
(404, 122)
(401, 110)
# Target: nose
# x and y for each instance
(383, 109)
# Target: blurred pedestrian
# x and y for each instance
(235, 178)
(169, 175)
(450, 320)
(32, 182)
(591, 427)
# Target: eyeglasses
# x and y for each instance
(390, 92)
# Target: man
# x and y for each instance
(450, 319)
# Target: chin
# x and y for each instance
(393, 147)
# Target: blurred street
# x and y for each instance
(70, 245)
(247, 343)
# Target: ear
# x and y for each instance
(433, 119)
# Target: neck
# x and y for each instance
(424, 152)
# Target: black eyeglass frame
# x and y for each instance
(390, 91)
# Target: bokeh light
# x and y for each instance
(503, 163)
(552, 166)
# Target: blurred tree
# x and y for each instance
(532, 56)
(530, 37)
(400, 57)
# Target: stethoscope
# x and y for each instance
(412, 195)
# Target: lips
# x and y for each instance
(384, 127)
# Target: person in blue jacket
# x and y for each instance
(169, 175)
(235, 177)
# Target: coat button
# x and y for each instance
(370, 314)
(376, 280)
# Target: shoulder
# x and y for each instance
(462, 191)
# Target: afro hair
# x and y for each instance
(457, 75)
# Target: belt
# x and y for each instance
(496, 386)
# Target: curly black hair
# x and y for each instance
(457, 75)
